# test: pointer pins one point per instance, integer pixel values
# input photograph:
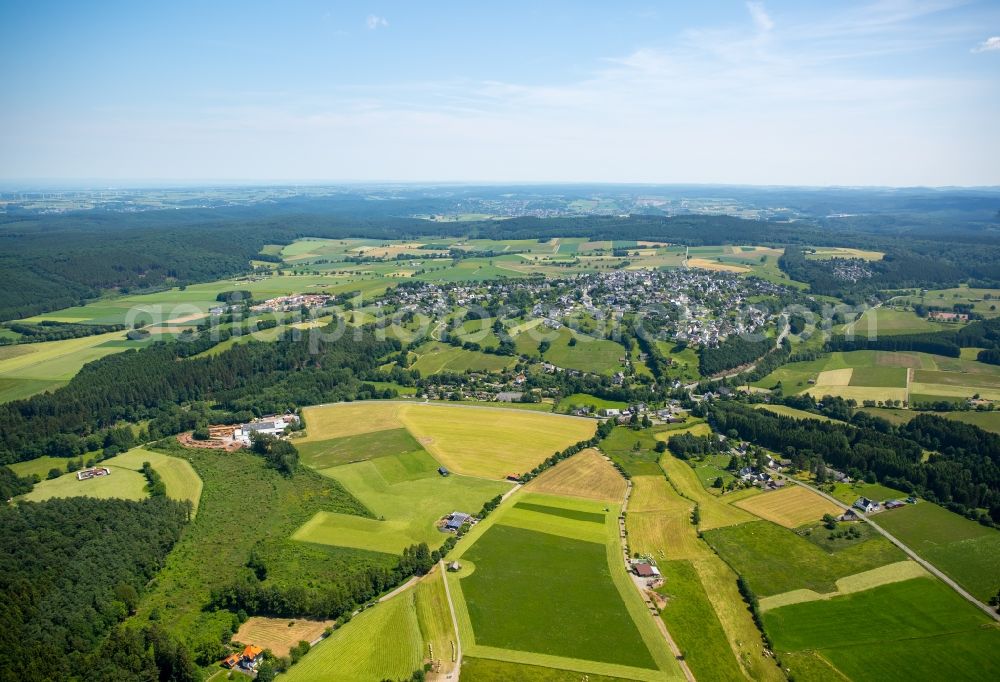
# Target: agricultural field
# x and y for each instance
(434, 618)
(491, 670)
(40, 466)
(350, 653)
(178, 475)
(885, 321)
(406, 496)
(321, 454)
(828, 252)
(714, 511)
(750, 548)
(986, 420)
(966, 551)
(710, 468)
(786, 411)
(586, 474)
(791, 507)
(589, 354)
(592, 616)
(849, 492)
(911, 630)
(471, 440)
(858, 582)
(279, 634)
(983, 301)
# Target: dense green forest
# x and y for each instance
(71, 570)
(253, 378)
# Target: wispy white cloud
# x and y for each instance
(991, 44)
(760, 16)
(375, 22)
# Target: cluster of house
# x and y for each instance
(94, 472)
(944, 316)
(668, 415)
(293, 302)
(869, 506)
(248, 659)
(272, 426)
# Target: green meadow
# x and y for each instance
(774, 559)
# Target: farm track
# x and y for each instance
(674, 649)
(909, 552)
(454, 618)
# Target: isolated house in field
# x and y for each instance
(866, 505)
(644, 570)
(84, 474)
(454, 566)
(456, 521)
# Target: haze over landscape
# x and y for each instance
(850, 93)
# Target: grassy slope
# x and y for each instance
(245, 506)
(966, 551)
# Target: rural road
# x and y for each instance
(909, 552)
(674, 649)
(454, 620)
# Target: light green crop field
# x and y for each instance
(966, 551)
(434, 357)
(888, 322)
(490, 670)
(599, 356)
(434, 616)
(594, 619)
(585, 399)
(383, 642)
(406, 495)
(889, 377)
(911, 630)
(751, 549)
(122, 483)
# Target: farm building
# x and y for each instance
(456, 520)
(84, 474)
(644, 570)
(866, 505)
(248, 659)
(273, 426)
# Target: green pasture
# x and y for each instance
(966, 551)
(567, 403)
(406, 496)
(434, 357)
(321, 454)
(775, 560)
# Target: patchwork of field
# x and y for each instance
(567, 578)
(180, 478)
(659, 525)
(279, 634)
(586, 474)
(791, 507)
(714, 512)
(966, 551)
(886, 376)
(380, 643)
(986, 420)
(908, 630)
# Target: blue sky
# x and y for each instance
(895, 92)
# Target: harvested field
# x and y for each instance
(279, 634)
(706, 264)
(587, 474)
(790, 507)
(883, 575)
(348, 419)
(835, 377)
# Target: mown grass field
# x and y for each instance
(964, 550)
(786, 411)
(906, 630)
(889, 321)
(321, 454)
(440, 641)
(406, 496)
(182, 481)
(585, 399)
(714, 511)
(40, 466)
(586, 474)
(325, 422)
(753, 548)
(694, 625)
(279, 634)
(491, 670)
(383, 642)
(492, 442)
(791, 507)
(122, 483)
(866, 580)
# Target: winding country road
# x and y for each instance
(909, 552)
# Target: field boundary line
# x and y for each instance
(909, 552)
(454, 620)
